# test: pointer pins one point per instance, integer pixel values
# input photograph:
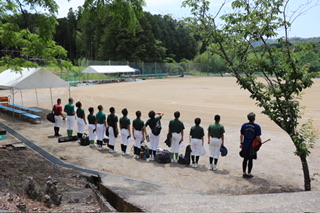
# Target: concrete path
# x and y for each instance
(156, 198)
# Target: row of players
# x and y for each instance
(102, 125)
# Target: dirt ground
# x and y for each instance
(277, 169)
(18, 165)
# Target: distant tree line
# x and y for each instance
(124, 32)
(155, 38)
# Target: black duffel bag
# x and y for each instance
(50, 117)
(84, 141)
(163, 156)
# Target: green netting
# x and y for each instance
(156, 70)
(146, 70)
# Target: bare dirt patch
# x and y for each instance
(18, 165)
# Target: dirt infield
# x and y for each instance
(276, 170)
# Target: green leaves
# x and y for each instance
(49, 5)
(124, 13)
(10, 6)
(274, 74)
(305, 139)
(29, 41)
(6, 6)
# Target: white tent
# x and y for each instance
(108, 69)
(30, 78)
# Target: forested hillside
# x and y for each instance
(119, 32)
(156, 38)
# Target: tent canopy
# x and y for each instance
(108, 69)
(30, 78)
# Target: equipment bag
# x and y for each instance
(67, 139)
(256, 145)
(84, 141)
(50, 117)
(163, 156)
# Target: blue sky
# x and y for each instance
(305, 26)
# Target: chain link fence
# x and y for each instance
(144, 71)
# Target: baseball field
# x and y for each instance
(277, 169)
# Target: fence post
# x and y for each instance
(142, 65)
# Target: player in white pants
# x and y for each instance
(197, 140)
(100, 132)
(57, 111)
(175, 141)
(176, 128)
(112, 139)
(154, 139)
(101, 126)
(154, 143)
(195, 146)
(125, 137)
(138, 133)
(214, 147)
(81, 120)
(92, 126)
(69, 109)
(112, 121)
(124, 124)
(215, 140)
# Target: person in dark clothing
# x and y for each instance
(249, 132)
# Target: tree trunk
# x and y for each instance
(306, 174)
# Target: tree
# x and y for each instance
(98, 16)
(152, 39)
(22, 45)
(308, 55)
(283, 77)
(66, 34)
(213, 62)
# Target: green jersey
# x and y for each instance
(176, 126)
(101, 117)
(196, 132)
(124, 122)
(137, 124)
(69, 109)
(92, 119)
(80, 113)
(112, 120)
(216, 130)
